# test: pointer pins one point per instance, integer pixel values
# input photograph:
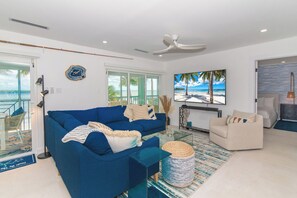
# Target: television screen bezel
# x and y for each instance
(202, 102)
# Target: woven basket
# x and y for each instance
(178, 169)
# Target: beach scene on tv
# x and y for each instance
(202, 87)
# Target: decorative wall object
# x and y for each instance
(75, 72)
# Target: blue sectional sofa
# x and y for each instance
(85, 173)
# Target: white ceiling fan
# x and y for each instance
(174, 47)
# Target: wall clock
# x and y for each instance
(75, 72)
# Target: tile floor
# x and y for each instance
(271, 173)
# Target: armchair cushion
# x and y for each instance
(220, 130)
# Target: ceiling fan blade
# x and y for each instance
(191, 47)
(164, 51)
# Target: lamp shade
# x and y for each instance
(39, 81)
(40, 104)
(43, 93)
(291, 94)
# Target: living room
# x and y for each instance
(236, 35)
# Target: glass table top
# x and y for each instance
(172, 134)
(149, 156)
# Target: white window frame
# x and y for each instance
(129, 72)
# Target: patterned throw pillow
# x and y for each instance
(151, 112)
(235, 119)
(99, 126)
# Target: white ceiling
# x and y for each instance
(130, 24)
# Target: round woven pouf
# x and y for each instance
(178, 169)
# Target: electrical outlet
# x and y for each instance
(52, 90)
(59, 90)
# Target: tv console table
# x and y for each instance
(181, 116)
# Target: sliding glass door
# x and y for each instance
(137, 89)
(133, 88)
(15, 110)
(117, 88)
(152, 91)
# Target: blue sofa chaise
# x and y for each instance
(85, 173)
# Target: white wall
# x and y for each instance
(240, 65)
(87, 93)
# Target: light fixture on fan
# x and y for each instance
(174, 47)
(291, 93)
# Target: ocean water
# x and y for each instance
(8, 98)
(13, 95)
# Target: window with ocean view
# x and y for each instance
(133, 88)
(15, 119)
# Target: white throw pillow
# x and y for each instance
(260, 102)
(269, 102)
(122, 140)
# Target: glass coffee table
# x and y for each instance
(172, 134)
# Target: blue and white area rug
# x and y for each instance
(17, 162)
(14, 146)
(208, 159)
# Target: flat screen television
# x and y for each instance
(208, 87)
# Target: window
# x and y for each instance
(117, 88)
(133, 88)
(152, 91)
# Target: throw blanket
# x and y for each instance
(79, 134)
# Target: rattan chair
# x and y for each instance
(13, 123)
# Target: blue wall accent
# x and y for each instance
(276, 79)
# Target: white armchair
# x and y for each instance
(237, 136)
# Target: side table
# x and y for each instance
(288, 111)
(140, 164)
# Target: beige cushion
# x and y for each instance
(240, 114)
(128, 113)
(219, 130)
(99, 126)
(140, 112)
